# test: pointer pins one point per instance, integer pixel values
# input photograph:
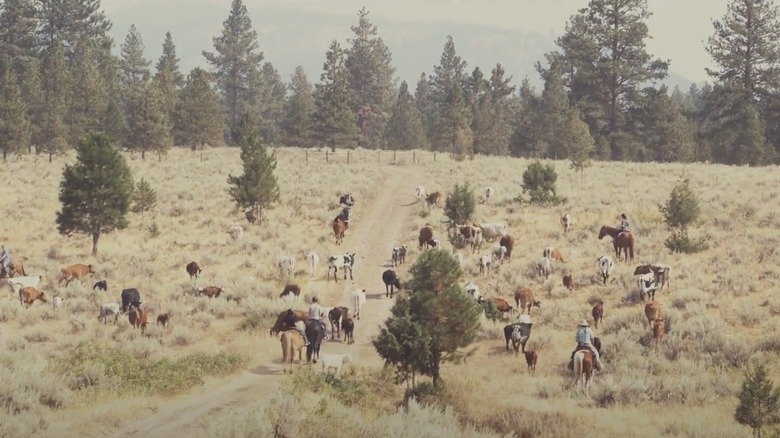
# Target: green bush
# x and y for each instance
(681, 211)
(365, 388)
(682, 243)
(491, 311)
(539, 183)
(460, 204)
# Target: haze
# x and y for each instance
(515, 33)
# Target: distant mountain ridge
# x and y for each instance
(290, 38)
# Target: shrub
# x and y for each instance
(539, 182)
(681, 211)
(759, 400)
(459, 205)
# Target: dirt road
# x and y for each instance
(375, 231)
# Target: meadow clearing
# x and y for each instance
(67, 373)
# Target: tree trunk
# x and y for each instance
(5, 153)
(435, 370)
(95, 237)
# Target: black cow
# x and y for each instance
(102, 285)
(130, 297)
(525, 333)
(391, 281)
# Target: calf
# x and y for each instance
(398, 256)
(553, 254)
(434, 199)
(652, 312)
(348, 327)
(109, 309)
(530, 360)
(163, 320)
(472, 236)
(425, 236)
(102, 285)
(137, 317)
(210, 291)
(544, 267)
(489, 192)
(193, 270)
(236, 232)
(286, 265)
(334, 361)
(293, 290)
(484, 264)
(500, 303)
(313, 260)
(568, 282)
(507, 242)
(17, 283)
(28, 295)
(391, 281)
(597, 313)
(567, 222)
(73, 272)
(358, 300)
(130, 297)
(605, 265)
(344, 261)
(499, 253)
(659, 326)
(339, 227)
(524, 298)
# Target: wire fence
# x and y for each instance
(357, 156)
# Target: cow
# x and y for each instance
(334, 361)
(553, 254)
(605, 265)
(210, 291)
(544, 267)
(344, 217)
(659, 327)
(17, 283)
(472, 236)
(472, 290)
(492, 231)
(286, 265)
(519, 333)
(484, 264)
(524, 298)
(568, 283)
(434, 243)
(391, 282)
(15, 268)
(348, 327)
(419, 191)
(652, 312)
(73, 272)
(137, 317)
(56, 302)
(530, 360)
(567, 222)
(130, 297)
(647, 286)
(499, 253)
(598, 313)
(398, 255)
(236, 232)
(489, 192)
(291, 291)
(339, 226)
(347, 199)
(507, 242)
(434, 199)
(109, 309)
(279, 325)
(344, 261)
(313, 260)
(425, 236)
(501, 304)
(163, 320)
(660, 272)
(358, 300)
(102, 285)
(335, 316)
(28, 295)
(193, 270)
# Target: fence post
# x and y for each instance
(307, 155)
(347, 157)
(395, 161)
(434, 156)
(201, 156)
(414, 157)
(378, 157)
(326, 157)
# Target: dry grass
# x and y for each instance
(720, 309)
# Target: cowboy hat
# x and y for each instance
(584, 323)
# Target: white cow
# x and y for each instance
(567, 222)
(605, 265)
(358, 299)
(489, 192)
(493, 231)
(647, 286)
(17, 283)
(344, 261)
(109, 309)
(286, 263)
(484, 264)
(56, 302)
(499, 253)
(334, 361)
(236, 232)
(472, 290)
(313, 260)
(420, 192)
(545, 267)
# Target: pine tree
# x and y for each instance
(299, 115)
(539, 182)
(447, 94)
(236, 66)
(500, 129)
(335, 121)
(135, 66)
(681, 211)
(759, 400)
(87, 97)
(66, 22)
(460, 204)
(433, 322)
(199, 117)
(18, 26)
(257, 188)
(424, 102)
(580, 144)
(144, 197)
(666, 132)
(405, 129)
(14, 124)
(96, 191)
(554, 114)
(149, 129)
(272, 104)
(53, 130)
(168, 78)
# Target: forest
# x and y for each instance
(601, 99)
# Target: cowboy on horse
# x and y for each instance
(291, 322)
(584, 338)
(315, 313)
(623, 225)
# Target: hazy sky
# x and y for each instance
(679, 27)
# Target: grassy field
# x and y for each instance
(63, 367)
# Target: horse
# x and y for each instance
(315, 331)
(291, 341)
(625, 241)
(583, 370)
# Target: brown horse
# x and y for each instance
(338, 230)
(291, 341)
(583, 370)
(625, 241)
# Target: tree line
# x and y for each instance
(601, 97)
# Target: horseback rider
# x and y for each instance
(584, 338)
(315, 313)
(5, 259)
(291, 322)
(344, 217)
(623, 225)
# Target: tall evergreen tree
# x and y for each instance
(759, 400)
(18, 25)
(149, 129)
(236, 67)
(52, 129)
(200, 117)
(666, 132)
(335, 121)
(66, 22)
(88, 99)
(135, 66)
(497, 138)
(272, 102)
(168, 77)
(405, 128)
(299, 115)
(370, 68)
(554, 114)
(424, 101)
(447, 93)
(257, 188)
(527, 129)
(96, 191)
(14, 124)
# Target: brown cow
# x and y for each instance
(434, 199)
(279, 326)
(28, 295)
(568, 282)
(15, 269)
(348, 326)
(507, 242)
(530, 360)
(659, 327)
(339, 226)
(597, 313)
(137, 317)
(501, 304)
(193, 269)
(73, 272)
(472, 235)
(163, 320)
(525, 299)
(425, 237)
(210, 291)
(553, 254)
(652, 312)
(291, 289)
